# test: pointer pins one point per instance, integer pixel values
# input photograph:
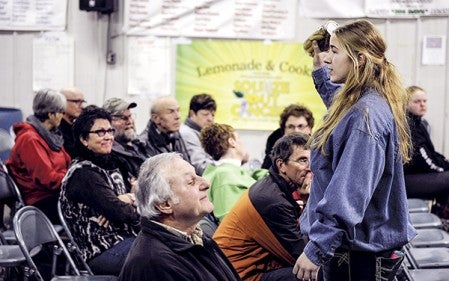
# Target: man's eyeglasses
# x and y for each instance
(78, 102)
(102, 132)
(125, 118)
(300, 126)
(301, 161)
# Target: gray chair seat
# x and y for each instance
(436, 274)
(430, 257)
(416, 205)
(425, 220)
(431, 237)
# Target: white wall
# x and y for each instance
(100, 81)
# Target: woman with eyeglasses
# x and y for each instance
(38, 161)
(100, 214)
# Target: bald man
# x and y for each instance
(75, 104)
(162, 131)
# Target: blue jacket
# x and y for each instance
(358, 199)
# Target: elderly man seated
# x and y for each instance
(171, 200)
(260, 235)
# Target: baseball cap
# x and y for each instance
(116, 106)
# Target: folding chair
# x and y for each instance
(430, 237)
(436, 274)
(425, 220)
(416, 205)
(71, 244)
(10, 196)
(33, 229)
(419, 258)
(12, 258)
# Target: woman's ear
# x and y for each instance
(361, 59)
(83, 141)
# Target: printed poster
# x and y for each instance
(251, 81)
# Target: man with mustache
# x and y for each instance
(126, 149)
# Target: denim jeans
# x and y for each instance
(280, 274)
(363, 266)
(111, 261)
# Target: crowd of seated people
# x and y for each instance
(257, 210)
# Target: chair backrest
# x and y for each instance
(9, 193)
(33, 229)
(6, 144)
(72, 245)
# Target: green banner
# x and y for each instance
(252, 82)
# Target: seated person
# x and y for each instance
(171, 200)
(94, 200)
(201, 114)
(126, 149)
(294, 118)
(75, 104)
(427, 174)
(227, 177)
(38, 160)
(261, 235)
(162, 131)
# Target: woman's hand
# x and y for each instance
(318, 56)
(305, 269)
(102, 221)
(128, 198)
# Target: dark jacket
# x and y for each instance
(158, 254)
(425, 159)
(157, 142)
(69, 140)
(261, 232)
(272, 138)
(90, 189)
(129, 159)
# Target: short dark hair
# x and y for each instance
(283, 148)
(202, 101)
(83, 124)
(297, 111)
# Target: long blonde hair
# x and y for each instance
(362, 38)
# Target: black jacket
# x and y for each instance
(158, 254)
(157, 142)
(425, 159)
(129, 159)
(272, 138)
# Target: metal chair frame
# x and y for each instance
(34, 229)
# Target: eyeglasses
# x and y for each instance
(300, 126)
(78, 102)
(301, 161)
(102, 132)
(125, 118)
